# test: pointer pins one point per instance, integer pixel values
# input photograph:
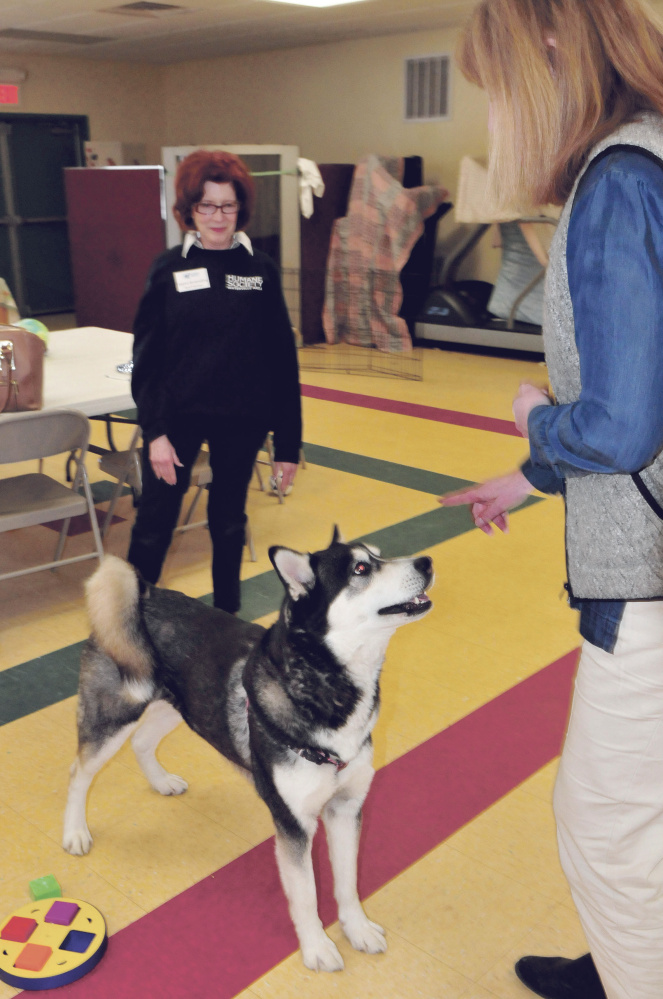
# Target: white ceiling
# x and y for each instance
(200, 29)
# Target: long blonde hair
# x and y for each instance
(560, 75)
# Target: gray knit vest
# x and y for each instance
(614, 534)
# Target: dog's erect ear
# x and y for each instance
(294, 570)
(337, 537)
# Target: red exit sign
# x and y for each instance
(8, 93)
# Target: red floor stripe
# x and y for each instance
(413, 409)
(225, 932)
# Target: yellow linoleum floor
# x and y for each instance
(457, 919)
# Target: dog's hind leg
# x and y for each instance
(91, 757)
(319, 952)
(342, 818)
(159, 719)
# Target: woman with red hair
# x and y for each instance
(214, 360)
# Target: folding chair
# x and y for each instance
(37, 498)
(125, 466)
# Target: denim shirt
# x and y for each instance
(615, 271)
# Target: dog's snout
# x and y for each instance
(424, 565)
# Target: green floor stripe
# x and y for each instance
(383, 471)
(40, 682)
(103, 490)
(260, 595)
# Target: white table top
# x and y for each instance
(80, 370)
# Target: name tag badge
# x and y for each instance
(192, 280)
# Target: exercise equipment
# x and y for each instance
(507, 315)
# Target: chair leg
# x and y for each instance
(82, 479)
(248, 541)
(279, 491)
(61, 540)
(93, 513)
(138, 472)
(111, 508)
(194, 504)
(109, 432)
(257, 471)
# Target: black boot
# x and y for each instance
(559, 978)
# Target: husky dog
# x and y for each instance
(293, 705)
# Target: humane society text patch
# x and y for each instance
(235, 283)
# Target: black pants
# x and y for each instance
(233, 448)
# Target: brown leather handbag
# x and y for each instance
(21, 370)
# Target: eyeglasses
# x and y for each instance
(208, 208)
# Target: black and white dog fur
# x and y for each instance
(293, 705)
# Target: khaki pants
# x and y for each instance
(609, 804)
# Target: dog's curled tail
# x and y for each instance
(113, 595)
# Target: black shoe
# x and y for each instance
(559, 978)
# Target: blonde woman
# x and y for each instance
(576, 97)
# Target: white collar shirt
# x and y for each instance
(192, 239)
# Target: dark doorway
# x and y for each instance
(34, 246)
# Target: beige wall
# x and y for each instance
(123, 101)
(336, 102)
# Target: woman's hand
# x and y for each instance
(163, 459)
(491, 500)
(529, 396)
(288, 470)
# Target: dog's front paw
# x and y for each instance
(77, 841)
(365, 935)
(170, 784)
(322, 954)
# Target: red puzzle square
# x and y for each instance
(19, 929)
(33, 957)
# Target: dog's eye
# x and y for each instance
(362, 569)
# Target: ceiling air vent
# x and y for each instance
(427, 88)
(143, 8)
(148, 5)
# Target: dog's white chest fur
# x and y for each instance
(307, 787)
(363, 662)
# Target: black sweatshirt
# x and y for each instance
(223, 350)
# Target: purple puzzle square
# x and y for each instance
(61, 913)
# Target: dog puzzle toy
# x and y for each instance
(50, 943)
(46, 887)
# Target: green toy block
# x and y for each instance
(46, 887)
